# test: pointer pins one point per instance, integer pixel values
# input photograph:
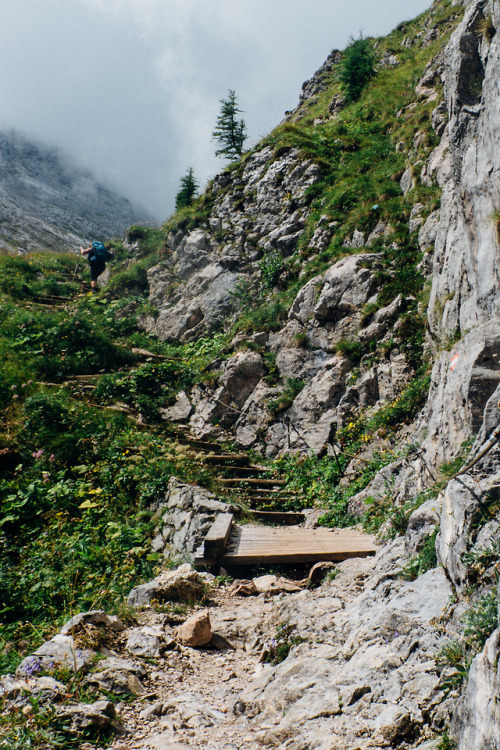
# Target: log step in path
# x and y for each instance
(230, 546)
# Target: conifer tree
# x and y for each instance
(187, 193)
(357, 67)
(229, 131)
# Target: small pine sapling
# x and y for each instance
(230, 132)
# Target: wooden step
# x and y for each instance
(242, 471)
(270, 493)
(202, 445)
(51, 298)
(261, 545)
(225, 461)
(278, 517)
(255, 482)
(216, 540)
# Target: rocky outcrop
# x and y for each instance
(181, 585)
(184, 517)
(476, 722)
(463, 380)
(466, 272)
(48, 203)
(257, 211)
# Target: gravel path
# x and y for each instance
(192, 694)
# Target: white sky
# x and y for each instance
(131, 88)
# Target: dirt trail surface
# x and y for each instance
(361, 672)
(192, 694)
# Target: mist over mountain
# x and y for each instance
(49, 202)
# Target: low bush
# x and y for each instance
(293, 387)
(481, 620)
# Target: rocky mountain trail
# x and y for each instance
(332, 301)
(351, 663)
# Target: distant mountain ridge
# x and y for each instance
(47, 202)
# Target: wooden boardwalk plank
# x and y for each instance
(250, 545)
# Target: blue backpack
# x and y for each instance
(99, 251)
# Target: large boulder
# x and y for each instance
(239, 376)
(181, 585)
(347, 286)
(310, 418)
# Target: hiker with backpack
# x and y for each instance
(97, 255)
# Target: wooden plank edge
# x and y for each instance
(215, 542)
(237, 560)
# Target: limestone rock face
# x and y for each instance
(313, 411)
(185, 515)
(196, 289)
(463, 380)
(119, 676)
(239, 377)
(476, 722)
(61, 652)
(466, 271)
(181, 585)
(100, 715)
(365, 673)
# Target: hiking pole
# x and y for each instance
(76, 269)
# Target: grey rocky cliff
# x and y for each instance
(466, 271)
(256, 212)
(46, 202)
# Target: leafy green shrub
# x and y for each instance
(16, 276)
(293, 387)
(146, 388)
(478, 560)
(151, 241)
(45, 415)
(131, 281)
(481, 620)
(402, 409)
(351, 349)
(59, 346)
(271, 265)
(445, 742)
(424, 561)
(264, 317)
(136, 232)
(455, 655)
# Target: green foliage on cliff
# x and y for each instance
(187, 191)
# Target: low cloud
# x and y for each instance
(131, 88)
